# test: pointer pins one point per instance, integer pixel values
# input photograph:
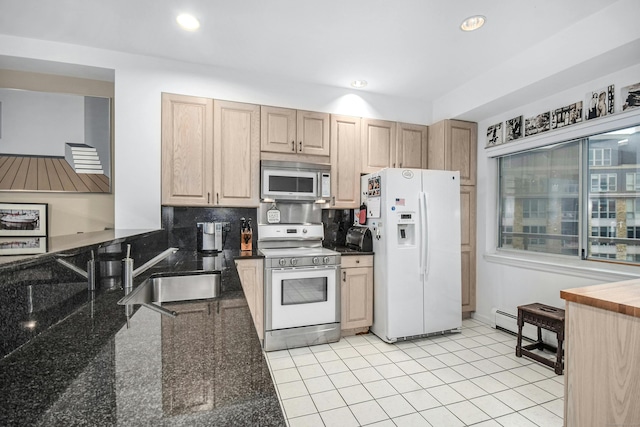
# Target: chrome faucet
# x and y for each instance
(127, 272)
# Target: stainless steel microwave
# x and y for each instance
(295, 181)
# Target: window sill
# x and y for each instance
(606, 272)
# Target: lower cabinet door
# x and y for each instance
(357, 297)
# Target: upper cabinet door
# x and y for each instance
(378, 145)
(453, 146)
(313, 133)
(187, 150)
(278, 130)
(411, 146)
(462, 155)
(236, 154)
(345, 162)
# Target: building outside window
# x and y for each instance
(603, 208)
(554, 202)
(599, 157)
(602, 182)
(633, 181)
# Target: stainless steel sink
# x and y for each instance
(166, 288)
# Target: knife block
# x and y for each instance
(246, 240)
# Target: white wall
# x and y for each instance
(602, 43)
(40, 123)
(97, 129)
(139, 82)
(504, 283)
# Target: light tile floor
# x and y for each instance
(471, 378)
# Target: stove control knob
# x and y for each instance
(325, 260)
(282, 262)
(304, 231)
(316, 260)
(294, 261)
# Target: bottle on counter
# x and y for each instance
(246, 235)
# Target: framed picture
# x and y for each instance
(630, 96)
(495, 135)
(537, 124)
(565, 116)
(514, 128)
(599, 103)
(24, 219)
(19, 245)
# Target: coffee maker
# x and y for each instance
(209, 236)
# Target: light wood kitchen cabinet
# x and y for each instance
(345, 162)
(411, 146)
(236, 154)
(187, 150)
(393, 145)
(294, 132)
(468, 246)
(378, 145)
(453, 146)
(210, 152)
(251, 273)
(356, 291)
(188, 365)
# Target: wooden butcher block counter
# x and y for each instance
(602, 359)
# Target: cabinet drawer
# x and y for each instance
(356, 261)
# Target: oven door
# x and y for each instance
(302, 297)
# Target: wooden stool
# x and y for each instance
(542, 316)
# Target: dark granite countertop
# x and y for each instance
(59, 244)
(205, 367)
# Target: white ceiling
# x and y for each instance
(403, 48)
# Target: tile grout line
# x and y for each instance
(402, 348)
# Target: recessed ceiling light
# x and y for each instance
(472, 23)
(188, 22)
(359, 84)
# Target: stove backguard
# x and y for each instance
(292, 212)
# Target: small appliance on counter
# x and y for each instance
(210, 236)
(336, 224)
(359, 238)
(246, 235)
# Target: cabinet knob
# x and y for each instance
(293, 146)
(208, 197)
(344, 276)
(300, 147)
(217, 198)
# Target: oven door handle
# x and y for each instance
(304, 269)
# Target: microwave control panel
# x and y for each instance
(325, 186)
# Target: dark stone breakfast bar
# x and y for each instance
(69, 357)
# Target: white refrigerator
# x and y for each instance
(414, 217)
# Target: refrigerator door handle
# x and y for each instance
(424, 238)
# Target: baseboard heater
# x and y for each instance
(508, 322)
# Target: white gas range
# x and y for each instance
(302, 295)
